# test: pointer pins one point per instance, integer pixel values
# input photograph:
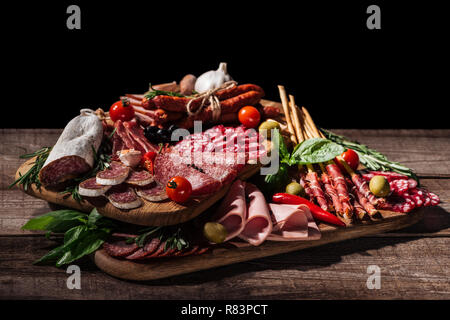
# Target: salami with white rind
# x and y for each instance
(154, 192)
(123, 197)
(90, 188)
(139, 178)
(115, 174)
(72, 155)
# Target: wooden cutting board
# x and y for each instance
(150, 213)
(161, 213)
(234, 252)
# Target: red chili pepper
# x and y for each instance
(316, 211)
(148, 160)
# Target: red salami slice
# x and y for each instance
(123, 197)
(139, 178)
(120, 248)
(186, 252)
(389, 175)
(167, 253)
(399, 186)
(148, 249)
(153, 192)
(412, 183)
(201, 251)
(115, 174)
(157, 252)
(90, 188)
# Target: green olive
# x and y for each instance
(295, 188)
(379, 186)
(266, 127)
(215, 232)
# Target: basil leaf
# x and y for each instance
(315, 150)
(56, 221)
(278, 180)
(70, 238)
(94, 217)
(279, 146)
(87, 242)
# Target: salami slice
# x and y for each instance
(90, 188)
(399, 186)
(123, 197)
(157, 252)
(120, 248)
(153, 192)
(148, 249)
(139, 178)
(115, 174)
(72, 154)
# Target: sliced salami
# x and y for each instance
(115, 174)
(120, 248)
(148, 249)
(90, 188)
(139, 178)
(157, 252)
(399, 186)
(123, 197)
(153, 192)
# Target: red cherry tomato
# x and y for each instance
(147, 160)
(121, 110)
(351, 157)
(179, 189)
(249, 116)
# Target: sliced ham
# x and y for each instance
(232, 210)
(137, 134)
(90, 188)
(258, 223)
(293, 223)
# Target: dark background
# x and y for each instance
(322, 52)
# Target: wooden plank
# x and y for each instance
(334, 271)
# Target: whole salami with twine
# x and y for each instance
(73, 155)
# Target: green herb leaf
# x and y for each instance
(314, 151)
(153, 93)
(56, 221)
(371, 159)
(279, 146)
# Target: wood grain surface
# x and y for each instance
(414, 262)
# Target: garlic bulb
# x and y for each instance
(212, 79)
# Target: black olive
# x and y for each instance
(172, 128)
(153, 129)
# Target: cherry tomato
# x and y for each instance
(249, 116)
(121, 110)
(179, 189)
(351, 157)
(147, 161)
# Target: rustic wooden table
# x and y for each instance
(414, 262)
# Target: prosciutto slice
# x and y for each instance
(341, 188)
(232, 210)
(258, 224)
(293, 223)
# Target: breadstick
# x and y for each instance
(284, 102)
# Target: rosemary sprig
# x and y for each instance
(153, 93)
(32, 175)
(370, 158)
